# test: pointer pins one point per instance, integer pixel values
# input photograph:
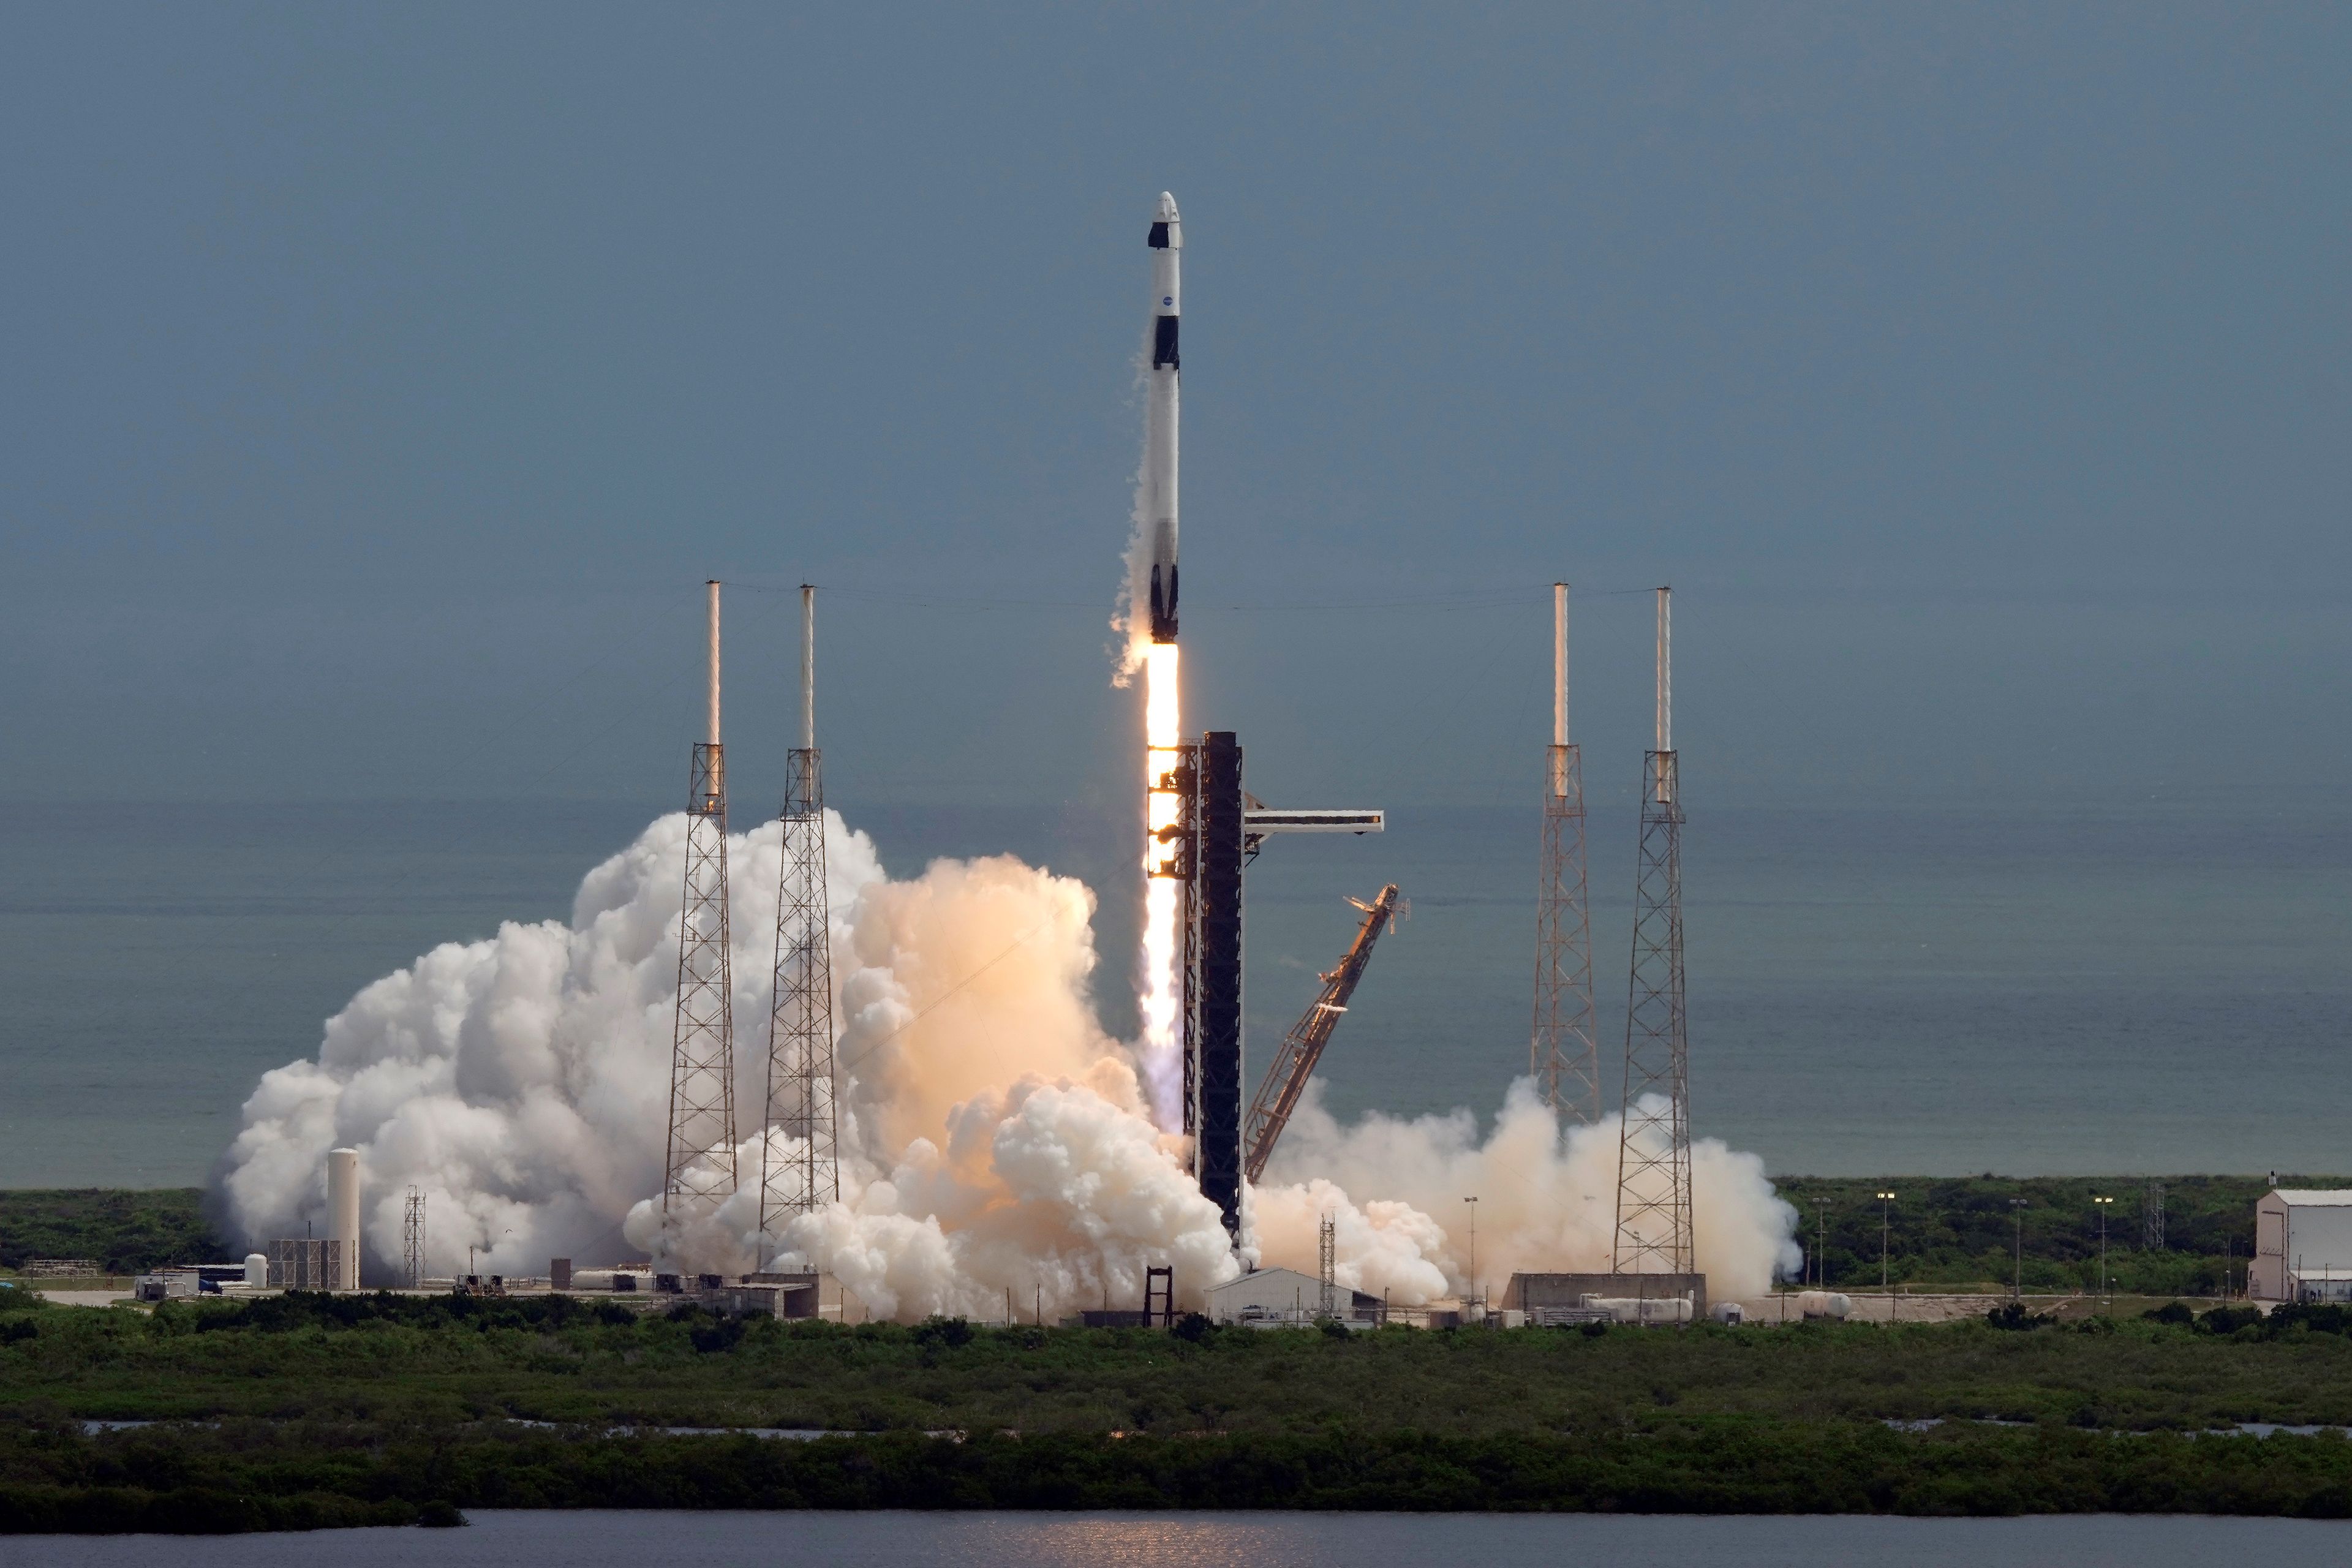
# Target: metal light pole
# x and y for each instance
(1474, 1251)
(1821, 1241)
(1886, 1224)
(2104, 1204)
(2017, 1285)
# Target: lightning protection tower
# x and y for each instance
(2151, 1218)
(804, 1173)
(698, 1173)
(1326, 1267)
(1564, 1051)
(412, 1240)
(1654, 1161)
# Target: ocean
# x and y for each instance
(974, 1539)
(2162, 990)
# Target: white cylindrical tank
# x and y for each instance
(343, 1214)
(256, 1270)
(1824, 1303)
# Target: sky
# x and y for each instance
(383, 382)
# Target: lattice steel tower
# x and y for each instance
(412, 1240)
(1564, 1051)
(1654, 1168)
(807, 1173)
(698, 1173)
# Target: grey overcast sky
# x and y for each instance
(380, 380)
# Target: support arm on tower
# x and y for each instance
(1295, 1059)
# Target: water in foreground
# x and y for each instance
(500, 1539)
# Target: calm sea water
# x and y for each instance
(1203, 1539)
(1870, 991)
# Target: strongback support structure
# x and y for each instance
(1653, 1169)
(1295, 1059)
(1218, 827)
(805, 1173)
(1217, 1142)
(698, 1169)
(1563, 1049)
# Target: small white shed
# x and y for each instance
(2302, 1245)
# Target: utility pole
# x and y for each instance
(1821, 1242)
(1886, 1226)
(1474, 1251)
(2017, 1283)
(2104, 1204)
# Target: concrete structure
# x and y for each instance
(343, 1218)
(1284, 1296)
(2302, 1245)
(1545, 1298)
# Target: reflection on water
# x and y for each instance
(502, 1540)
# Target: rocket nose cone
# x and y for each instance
(1167, 213)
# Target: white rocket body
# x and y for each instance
(1167, 242)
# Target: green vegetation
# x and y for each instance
(254, 1475)
(1959, 1230)
(126, 1230)
(308, 1410)
(454, 1360)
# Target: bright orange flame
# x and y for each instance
(1162, 993)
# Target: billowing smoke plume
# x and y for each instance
(994, 1139)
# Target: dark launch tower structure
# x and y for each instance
(1217, 832)
(1563, 1048)
(1654, 1161)
(698, 1169)
(807, 1173)
(1213, 989)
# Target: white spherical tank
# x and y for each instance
(343, 1214)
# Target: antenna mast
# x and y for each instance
(1563, 1049)
(698, 1169)
(1654, 1161)
(800, 1167)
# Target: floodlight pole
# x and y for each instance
(2105, 1294)
(1886, 1224)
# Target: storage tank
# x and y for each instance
(256, 1271)
(1824, 1304)
(343, 1214)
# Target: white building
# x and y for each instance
(2302, 1245)
(1285, 1296)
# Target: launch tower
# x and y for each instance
(1654, 1161)
(805, 1174)
(1563, 1050)
(698, 1169)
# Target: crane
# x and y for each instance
(1295, 1059)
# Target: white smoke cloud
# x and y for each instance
(1547, 1202)
(995, 1142)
